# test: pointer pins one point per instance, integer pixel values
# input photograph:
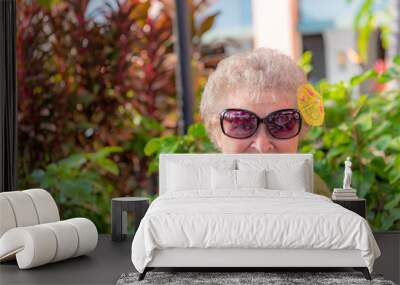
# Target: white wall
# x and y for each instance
(275, 25)
(337, 43)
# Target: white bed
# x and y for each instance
(267, 218)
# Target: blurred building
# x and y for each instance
(326, 29)
(323, 27)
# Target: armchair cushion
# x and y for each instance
(26, 208)
(40, 244)
(31, 230)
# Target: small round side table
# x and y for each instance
(119, 208)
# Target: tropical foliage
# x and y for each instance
(92, 80)
(79, 185)
(367, 128)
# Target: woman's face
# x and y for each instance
(261, 141)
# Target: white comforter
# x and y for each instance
(251, 218)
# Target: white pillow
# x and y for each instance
(251, 178)
(285, 174)
(294, 180)
(223, 179)
(186, 175)
(183, 178)
(228, 179)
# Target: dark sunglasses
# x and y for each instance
(241, 124)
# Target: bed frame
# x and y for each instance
(243, 259)
(246, 258)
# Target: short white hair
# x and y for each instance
(256, 72)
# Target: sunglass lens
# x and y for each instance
(239, 123)
(284, 124)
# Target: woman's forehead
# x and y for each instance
(264, 102)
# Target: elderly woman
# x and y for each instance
(249, 105)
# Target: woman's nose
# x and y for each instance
(261, 141)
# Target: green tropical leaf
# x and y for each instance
(395, 144)
(383, 142)
(73, 161)
(395, 202)
(197, 131)
(169, 144)
(396, 59)
(153, 166)
(105, 151)
(358, 79)
(108, 165)
(387, 221)
(394, 176)
(152, 146)
(364, 121)
(305, 61)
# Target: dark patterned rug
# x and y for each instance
(229, 278)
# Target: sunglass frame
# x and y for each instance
(259, 120)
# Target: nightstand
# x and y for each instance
(119, 208)
(357, 206)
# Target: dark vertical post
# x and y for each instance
(183, 70)
(8, 97)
